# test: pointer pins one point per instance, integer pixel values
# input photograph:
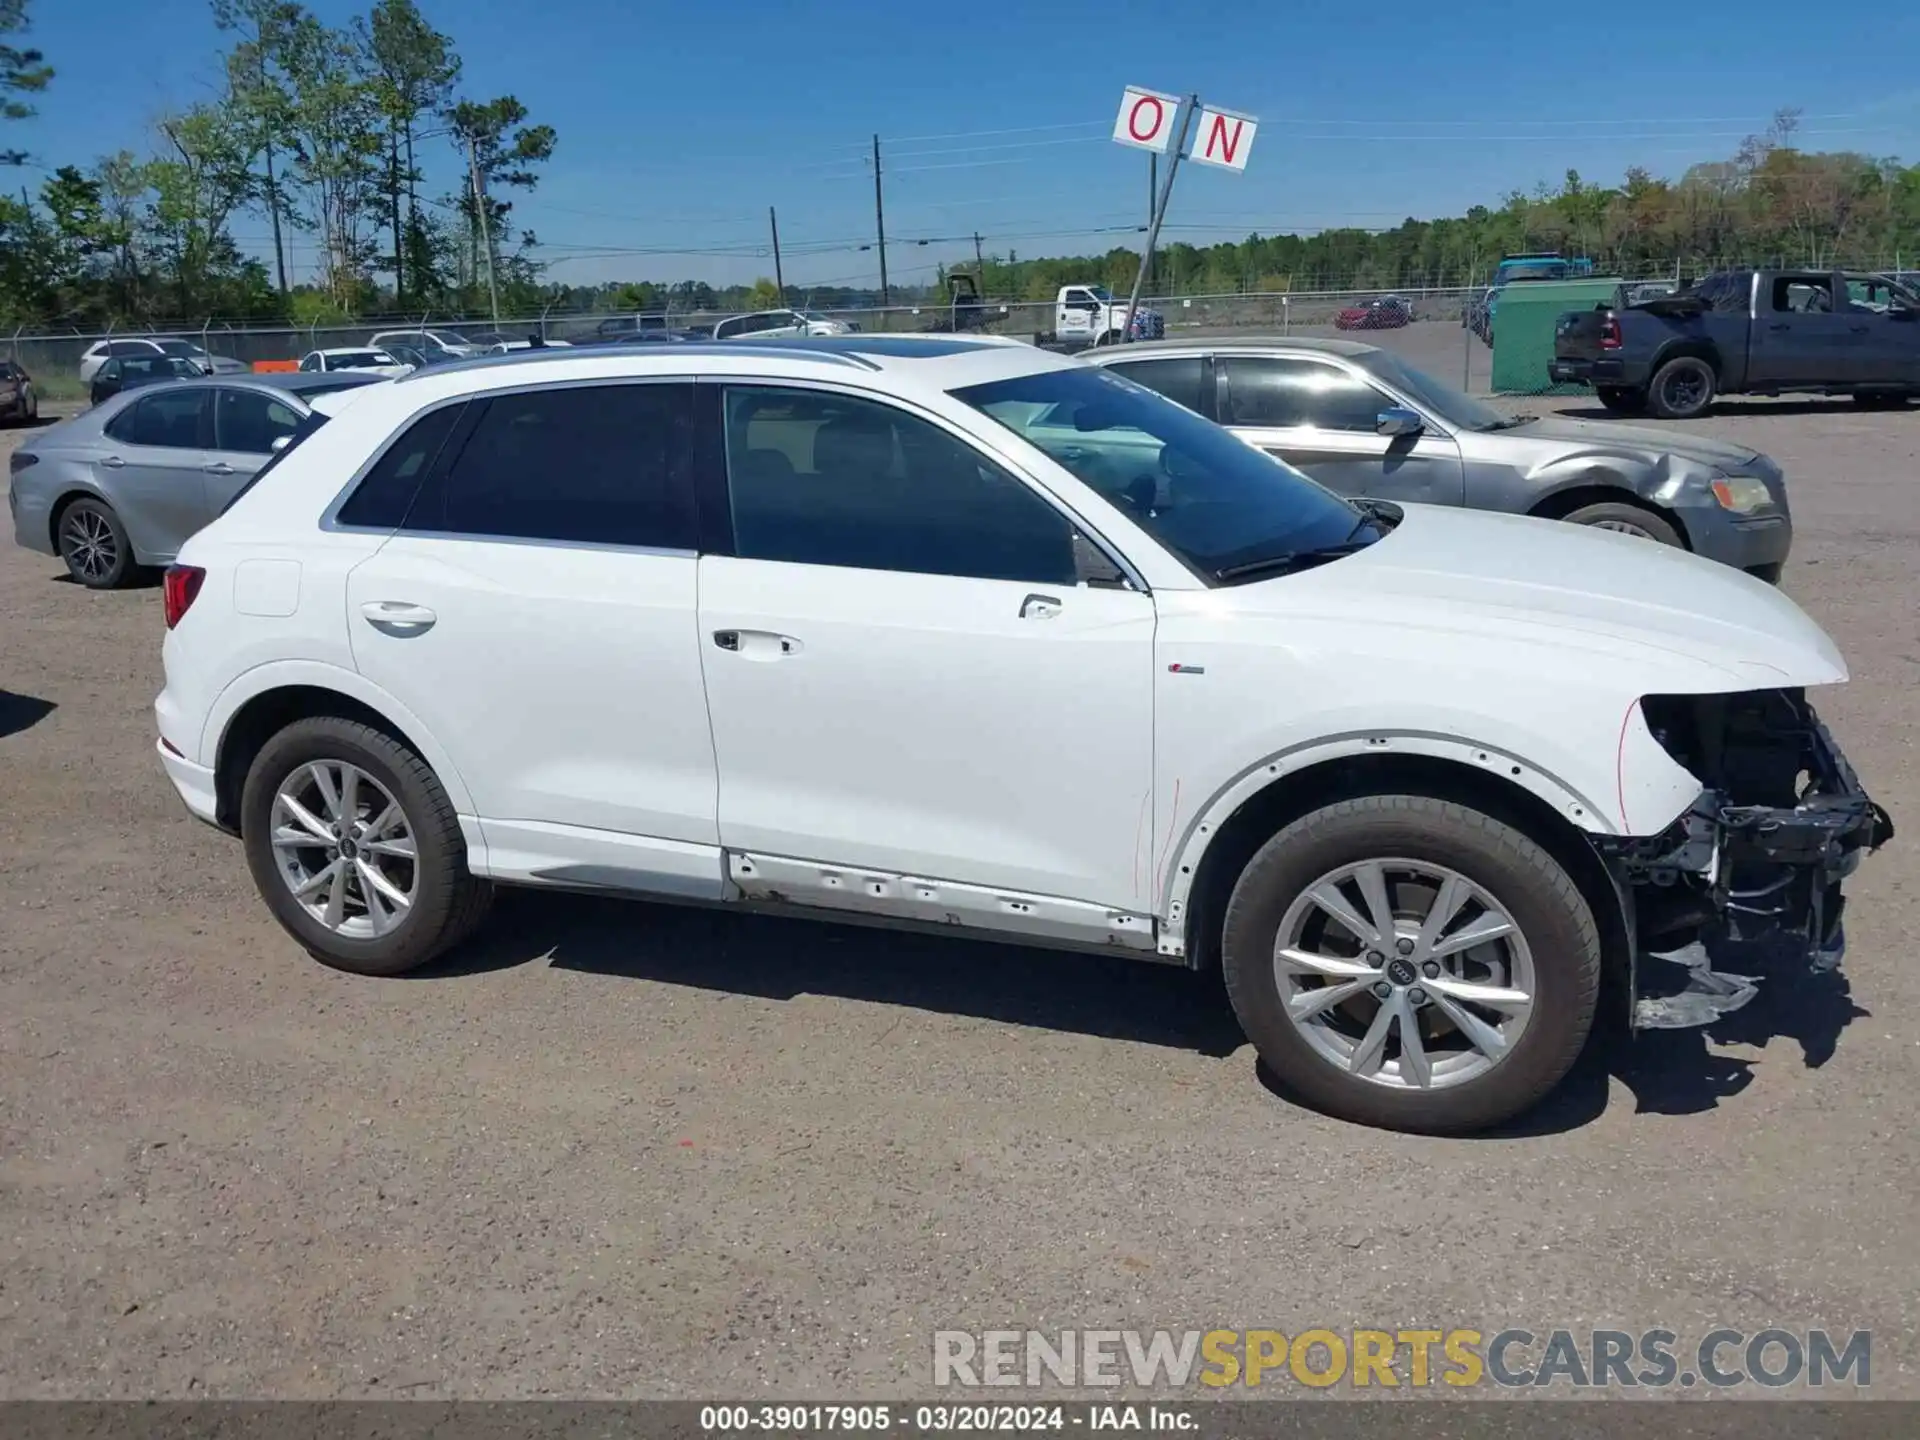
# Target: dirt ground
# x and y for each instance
(622, 1149)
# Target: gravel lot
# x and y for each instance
(629, 1150)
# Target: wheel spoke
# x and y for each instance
(1372, 880)
(349, 809)
(329, 875)
(1329, 899)
(401, 847)
(1446, 904)
(324, 783)
(1482, 928)
(337, 897)
(1305, 1004)
(1494, 997)
(296, 837)
(372, 880)
(384, 821)
(308, 820)
(1414, 1064)
(1371, 1048)
(1482, 1036)
(1334, 965)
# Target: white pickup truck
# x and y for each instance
(1089, 315)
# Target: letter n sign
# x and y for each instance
(1223, 138)
(1146, 119)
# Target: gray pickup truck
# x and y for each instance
(1747, 332)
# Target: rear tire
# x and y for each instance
(354, 922)
(1627, 519)
(1682, 389)
(1621, 400)
(1458, 1075)
(94, 545)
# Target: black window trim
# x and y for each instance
(476, 406)
(716, 507)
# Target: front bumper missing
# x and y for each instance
(1730, 873)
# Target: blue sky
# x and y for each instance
(681, 123)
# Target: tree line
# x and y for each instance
(321, 134)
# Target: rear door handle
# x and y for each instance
(398, 617)
(112, 462)
(1039, 607)
(727, 639)
(218, 467)
(1778, 325)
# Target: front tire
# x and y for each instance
(1627, 519)
(1408, 962)
(355, 847)
(94, 545)
(1682, 389)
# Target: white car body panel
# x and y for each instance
(920, 744)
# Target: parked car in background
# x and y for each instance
(444, 343)
(1388, 312)
(127, 373)
(1407, 775)
(19, 401)
(1747, 332)
(527, 342)
(122, 485)
(377, 362)
(1365, 423)
(416, 358)
(1520, 270)
(771, 324)
(132, 346)
(628, 327)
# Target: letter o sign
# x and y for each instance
(1146, 119)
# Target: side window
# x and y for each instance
(591, 464)
(1283, 393)
(726, 329)
(169, 421)
(385, 493)
(823, 479)
(123, 348)
(310, 362)
(1179, 378)
(248, 421)
(1803, 294)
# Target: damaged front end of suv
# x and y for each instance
(1756, 861)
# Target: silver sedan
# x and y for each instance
(123, 484)
(1363, 422)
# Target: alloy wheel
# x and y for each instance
(345, 848)
(87, 543)
(1405, 973)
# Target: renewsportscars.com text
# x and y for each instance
(1416, 1359)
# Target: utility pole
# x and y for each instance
(880, 225)
(979, 264)
(1159, 213)
(1153, 193)
(486, 229)
(779, 279)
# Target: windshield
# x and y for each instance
(1210, 498)
(810, 315)
(1455, 407)
(1531, 272)
(1100, 292)
(358, 359)
(180, 347)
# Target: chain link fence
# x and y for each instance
(1435, 330)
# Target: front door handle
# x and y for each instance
(1039, 607)
(1859, 329)
(1778, 325)
(218, 467)
(398, 618)
(727, 639)
(112, 462)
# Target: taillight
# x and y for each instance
(182, 585)
(1610, 333)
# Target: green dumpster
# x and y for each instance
(1523, 322)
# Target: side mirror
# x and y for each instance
(1397, 421)
(280, 442)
